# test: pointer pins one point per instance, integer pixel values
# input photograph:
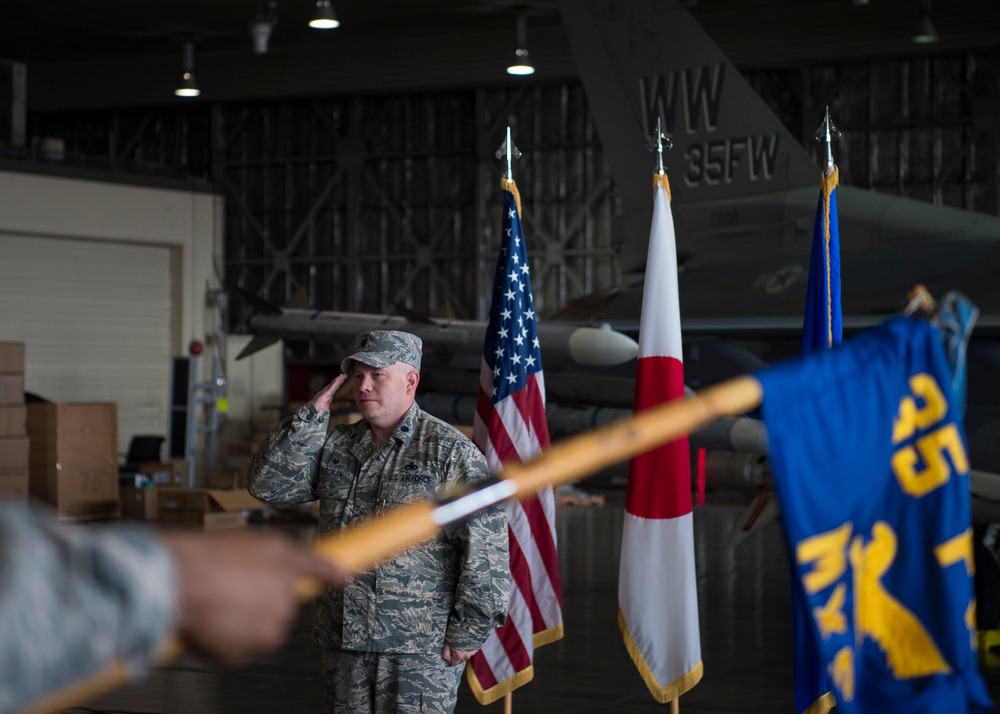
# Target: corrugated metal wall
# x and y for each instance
(371, 203)
(921, 127)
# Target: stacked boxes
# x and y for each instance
(164, 473)
(139, 491)
(139, 504)
(74, 458)
(205, 508)
(13, 435)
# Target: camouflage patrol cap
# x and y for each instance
(382, 348)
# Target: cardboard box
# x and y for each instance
(165, 473)
(14, 486)
(204, 508)
(12, 388)
(14, 452)
(13, 420)
(139, 504)
(73, 460)
(11, 357)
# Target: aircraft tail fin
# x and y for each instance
(646, 61)
(258, 343)
(259, 304)
(640, 62)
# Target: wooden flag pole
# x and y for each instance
(361, 547)
(675, 705)
(508, 703)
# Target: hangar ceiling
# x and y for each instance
(106, 53)
(357, 163)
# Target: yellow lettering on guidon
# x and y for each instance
(842, 672)
(830, 618)
(910, 416)
(828, 554)
(957, 550)
(932, 448)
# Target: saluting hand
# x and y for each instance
(324, 396)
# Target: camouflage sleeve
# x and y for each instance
(483, 585)
(74, 598)
(285, 468)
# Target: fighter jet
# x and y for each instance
(743, 189)
(744, 194)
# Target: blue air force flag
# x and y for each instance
(871, 472)
(822, 329)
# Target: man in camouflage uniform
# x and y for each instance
(397, 637)
(75, 598)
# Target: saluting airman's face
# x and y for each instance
(384, 394)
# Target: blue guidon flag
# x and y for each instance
(822, 329)
(823, 324)
(870, 468)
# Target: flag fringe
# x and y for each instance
(822, 705)
(828, 184)
(509, 185)
(546, 637)
(662, 694)
(500, 689)
(660, 181)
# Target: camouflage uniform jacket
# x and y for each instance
(75, 598)
(451, 590)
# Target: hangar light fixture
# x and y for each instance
(188, 87)
(521, 66)
(926, 32)
(324, 18)
(262, 26)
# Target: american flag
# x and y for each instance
(509, 425)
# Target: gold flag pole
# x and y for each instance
(363, 546)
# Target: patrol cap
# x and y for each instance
(382, 348)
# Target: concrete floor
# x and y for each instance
(745, 632)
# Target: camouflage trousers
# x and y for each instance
(383, 683)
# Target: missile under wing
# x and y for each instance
(561, 343)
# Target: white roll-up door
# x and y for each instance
(96, 320)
